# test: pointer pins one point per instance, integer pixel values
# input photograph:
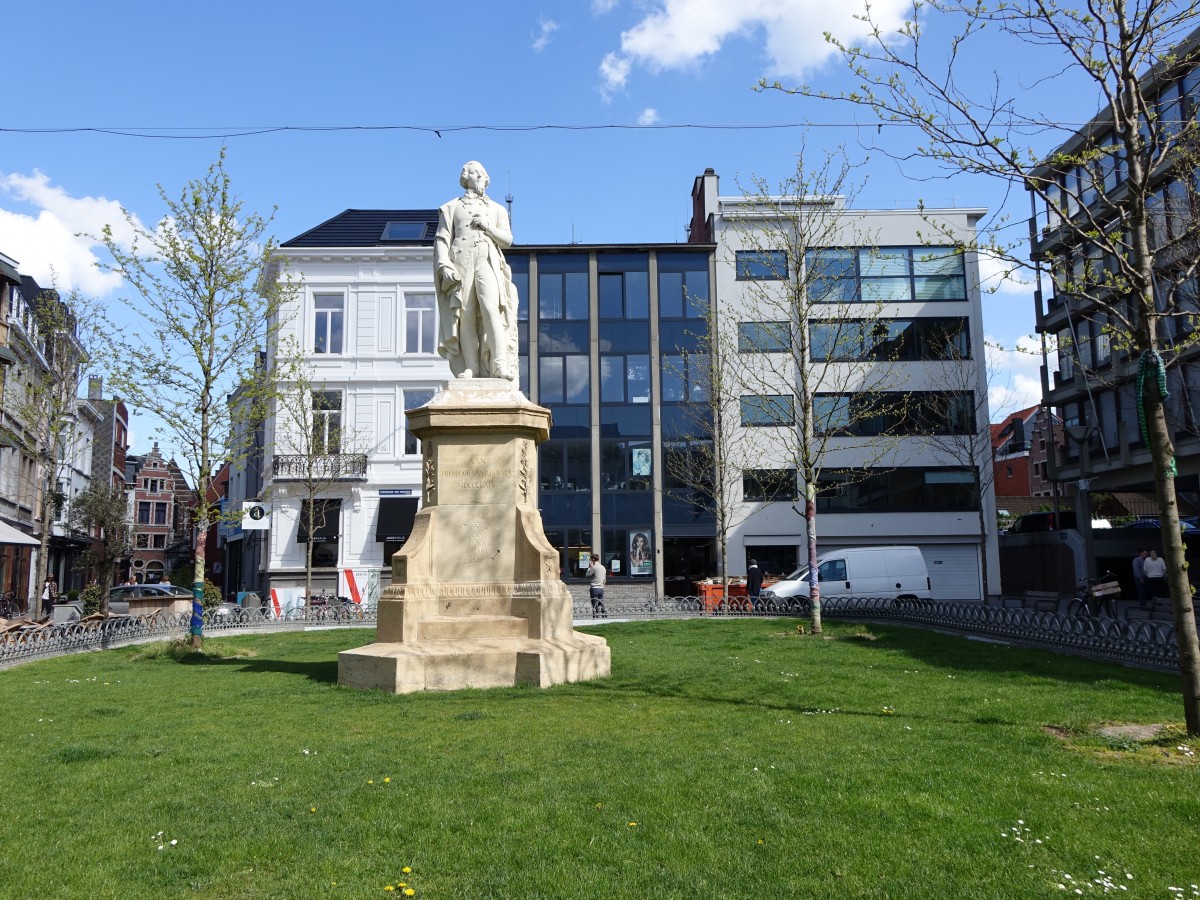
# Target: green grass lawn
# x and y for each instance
(723, 759)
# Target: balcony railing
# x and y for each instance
(332, 467)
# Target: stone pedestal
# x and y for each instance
(476, 599)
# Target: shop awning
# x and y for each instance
(10, 535)
(327, 522)
(395, 518)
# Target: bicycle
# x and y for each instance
(9, 608)
(1095, 595)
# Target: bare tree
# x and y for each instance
(1117, 193)
(314, 448)
(103, 512)
(705, 457)
(815, 372)
(204, 313)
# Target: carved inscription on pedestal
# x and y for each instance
(477, 477)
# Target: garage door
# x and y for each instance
(953, 570)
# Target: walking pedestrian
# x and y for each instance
(753, 583)
(596, 577)
(1139, 577)
(1156, 575)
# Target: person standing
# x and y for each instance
(1139, 577)
(477, 301)
(1156, 575)
(596, 577)
(753, 582)
(49, 594)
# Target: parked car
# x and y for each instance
(898, 573)
(1184, 524)
(129, 591)
(1043, 521)
(147, 599)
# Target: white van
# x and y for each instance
(895, 573)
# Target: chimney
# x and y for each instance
(95, 388)
(704, 207)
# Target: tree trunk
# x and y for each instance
(197, 622)
(1161, 452)
(814, 581)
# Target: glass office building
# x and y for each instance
(604, 333)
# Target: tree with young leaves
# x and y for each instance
(103, 512)
(811, 359)
(202, 312)
(1120, 246)
(43, 405)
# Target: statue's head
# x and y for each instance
(464, 179)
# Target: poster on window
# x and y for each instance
(641, 556)
(641, 460)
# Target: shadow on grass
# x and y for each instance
(965, 654)
(322, 671)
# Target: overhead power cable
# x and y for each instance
(184, 133)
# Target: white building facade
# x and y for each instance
(364, 318)
(891, 485)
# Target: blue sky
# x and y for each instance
(188, 77)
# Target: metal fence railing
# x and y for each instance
(1144, 643)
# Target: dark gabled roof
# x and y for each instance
(364, 228)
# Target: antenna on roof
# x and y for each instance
(508, 198)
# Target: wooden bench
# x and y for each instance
(1041, 601)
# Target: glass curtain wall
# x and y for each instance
(590, 361)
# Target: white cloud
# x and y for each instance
(546, 29)
(46, 244)
(603, 7)
(1002, 277)
(1014, 376)
(649, 116)
(680, 33)
(614, 72)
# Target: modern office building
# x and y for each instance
(1089, 380)
(607, 333)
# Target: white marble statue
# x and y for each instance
(477, 300)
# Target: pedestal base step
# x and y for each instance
(447, 665)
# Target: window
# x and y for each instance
(158, 541)
(761, 265)
(874, 413)
(764, 337)
(913, 489)
(563, 287)
(154, 485)
(685, 378)
(143, 512)
(326, 423)
(565, 466)
(625, 379)
(623, 285)
(564, 379)
(885, 275)
(683, 287)
(141, 541)
(328, 324)
(160, 514)
(403, 231)
(420, 323)
(412, 400)
(625, 465)
(767, 410)
(769, 484)
(326, 527)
